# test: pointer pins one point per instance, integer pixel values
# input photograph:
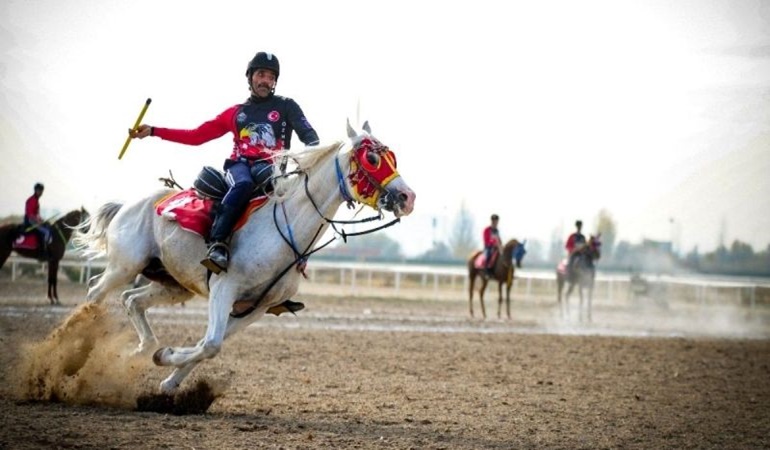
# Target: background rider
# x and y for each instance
(492, 243)
(32, 219)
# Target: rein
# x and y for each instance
(334, 222)
(57, 225)
(58, 229)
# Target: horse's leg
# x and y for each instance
(590, 297)
(581, 308)
(471, 285)
(113, 276)
(483, 287)
(508, 298)
(570, 287)
(5, 252)
(138, 300)
(173, 381)
(220, 304)
(499, 298)
(94, 279)
(53, 272)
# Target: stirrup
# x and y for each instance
(214, 262)
(287, 306)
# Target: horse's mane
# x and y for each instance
(306, 161)
(512, 243)
(508, 248)
(71, 219)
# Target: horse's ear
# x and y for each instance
(351, 132)
(366, 127)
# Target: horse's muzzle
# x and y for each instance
(397, 198)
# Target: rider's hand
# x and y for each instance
(141, 132)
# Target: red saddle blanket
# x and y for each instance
(26, 241)
(193, 212)
(562, 267)
(480, 262)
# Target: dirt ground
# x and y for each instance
(369, 373)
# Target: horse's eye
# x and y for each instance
(373, 158)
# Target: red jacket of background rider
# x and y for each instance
(491, 237)
(32, 209)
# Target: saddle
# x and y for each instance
(562, 266)
(30, 240)
(192, 209)
(480, 262)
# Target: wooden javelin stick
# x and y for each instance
(136, 125)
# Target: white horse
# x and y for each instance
(582, 275)
(272, 241)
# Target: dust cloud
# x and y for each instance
(86, 360)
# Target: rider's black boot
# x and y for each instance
(218, 256)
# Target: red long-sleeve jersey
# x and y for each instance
(573, 240)
(32, 210)
(491, 236)
(259, 127)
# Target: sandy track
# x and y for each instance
(325, 380)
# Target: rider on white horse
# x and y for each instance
(260, 126)
(575, 244)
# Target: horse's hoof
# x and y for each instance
(168, 386)
(159, 357)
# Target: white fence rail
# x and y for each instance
(404, 280)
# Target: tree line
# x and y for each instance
(647, 256)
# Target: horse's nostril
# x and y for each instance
(402, 197)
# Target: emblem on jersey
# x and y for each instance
(260, 134)
(273, 116)
(241, 117)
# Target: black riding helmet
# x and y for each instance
(39, 186)
(263, 60)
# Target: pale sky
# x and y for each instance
(543, 112)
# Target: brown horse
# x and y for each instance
(582, 275)
(513, 250)
(61, 231)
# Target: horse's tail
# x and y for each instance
(91, 235)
